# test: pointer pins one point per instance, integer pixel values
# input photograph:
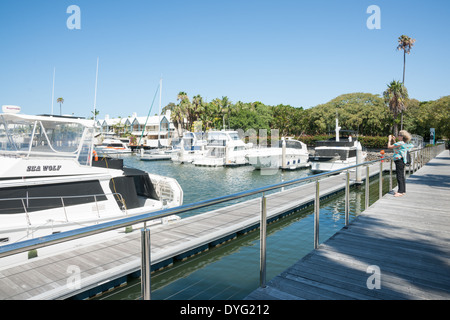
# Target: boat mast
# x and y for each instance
(159, 121)
(53, 90)
(95, 94)
(337, 127)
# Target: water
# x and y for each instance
(231, 271)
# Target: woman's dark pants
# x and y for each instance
(400, 171)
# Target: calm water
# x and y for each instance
(231, 271)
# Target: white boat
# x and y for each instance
(113, 146)
(336, 153)
(52, 180)
(290, 154)
(224, 148)
(191, 147)
(155, 155)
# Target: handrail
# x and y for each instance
(11, 249)
(119, 196)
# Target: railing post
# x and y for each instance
(26, 212)
(145, 264)
(380, 189)
(64, 208)
(367, 187)
(316, 215)
(390, 174)
(96, 205)
(262, 239)
(347, 198)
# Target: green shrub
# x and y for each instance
(32, 254)
(374, 142)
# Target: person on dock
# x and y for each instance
(401, 149)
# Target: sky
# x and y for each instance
(294, 52)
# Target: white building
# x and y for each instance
(147, 130)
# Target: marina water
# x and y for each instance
(231, 271)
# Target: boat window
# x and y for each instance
(290, 144)
(234, 136)
(341, 153)
(37, 138)
(44, 197)
(15, 136)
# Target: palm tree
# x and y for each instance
(405, 43)
(197, 107)
(225, 105)
(60, 101)
(396, 96)
(182, 108)
(177, 117)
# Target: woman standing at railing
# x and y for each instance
(401, 149)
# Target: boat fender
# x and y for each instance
(95, 155)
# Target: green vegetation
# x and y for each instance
(368, 114)
(396, 97)
(32, 254)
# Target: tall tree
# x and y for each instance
(60, 101)
(225, 105)
(396, 97)
(405, 43)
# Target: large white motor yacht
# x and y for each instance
(289, 154)
(192, 146)
(51, 179)
(337, 153)
(224, 148)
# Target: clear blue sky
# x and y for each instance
(295, 52)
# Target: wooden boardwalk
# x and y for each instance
(406, 239)
(108, 263)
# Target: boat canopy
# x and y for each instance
(334, 143)
(46, 136)
(293, 144)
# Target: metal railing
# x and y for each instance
(422, 156)
(25, 200)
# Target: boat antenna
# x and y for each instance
(95, 94)
(337, 126)
(53, 89)
(149, 111)
(159, 119)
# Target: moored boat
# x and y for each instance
(289, 154)
(224, 148)
(52, 179)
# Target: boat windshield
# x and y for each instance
(234, 136)
(43, 136)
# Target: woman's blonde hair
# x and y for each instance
(406, 135)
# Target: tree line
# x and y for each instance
(368, 114)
